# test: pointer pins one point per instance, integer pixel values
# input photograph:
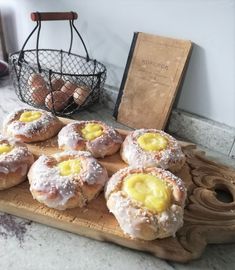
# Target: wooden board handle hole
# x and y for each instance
(224, 195)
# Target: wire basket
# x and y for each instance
(55, 80)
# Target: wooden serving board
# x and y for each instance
(206, 219)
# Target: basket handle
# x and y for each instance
(49, 16)
(53, 16)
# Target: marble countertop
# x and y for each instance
(28, 245)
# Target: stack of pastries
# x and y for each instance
(146, 198)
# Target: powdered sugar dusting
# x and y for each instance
(140, 223)
(167, 158)
(70, 137)
(13, 126)
(172, 181)
(136, 220)
(18, 158)
(46, 177)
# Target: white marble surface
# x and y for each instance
(29, 245)
(215, 136)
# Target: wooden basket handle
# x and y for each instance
(53, 16)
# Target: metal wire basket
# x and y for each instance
(55, 80)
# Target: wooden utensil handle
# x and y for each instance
(53, 16)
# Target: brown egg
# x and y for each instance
(57, 84)
(80, 94)
(38, 95)
(69, 88)
(60, 100)
(36, 80)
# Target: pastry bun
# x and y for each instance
(101, 140)
(29, 125)
(56, 181)
(142, 215)
(166, 152)
(15, 160)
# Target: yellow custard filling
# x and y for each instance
(30, 116)
(152, 142)
(69, 167)
(92, 131)
(5, 148)
(148, 189)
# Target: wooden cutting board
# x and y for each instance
(206, 219)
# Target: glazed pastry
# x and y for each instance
(148, 203)
(93, 136)
(66, 180)
(15, 160)
(152, 147)
(29, 125)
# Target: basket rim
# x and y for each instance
(56, 72)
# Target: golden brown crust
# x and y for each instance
(52, 196)
(62, 192)
(138, 221)
(39, 130)
(70, 137)
(15, 164)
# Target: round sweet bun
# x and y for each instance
(135, 219)
(107, 143)
(56, 84)
(38, 95)
(44, 126)
(169, 157)
(36, 80)
(15, 160)
(80, 94)
(53, 185)
(68, 88)
(57, 98)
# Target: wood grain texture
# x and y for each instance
(206, 219)
(150, 85)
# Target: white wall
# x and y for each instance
(107, 27)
